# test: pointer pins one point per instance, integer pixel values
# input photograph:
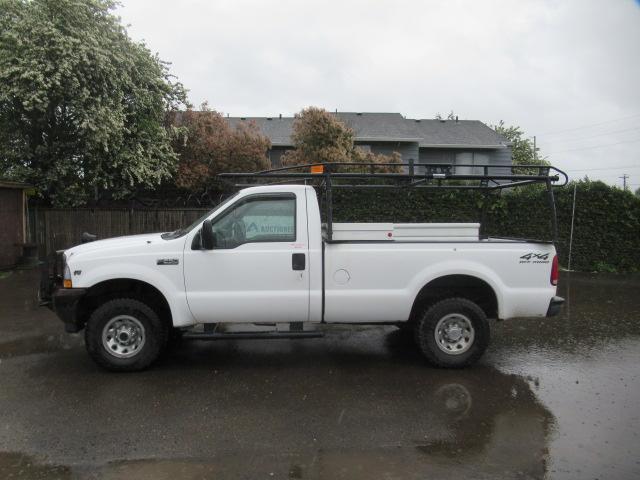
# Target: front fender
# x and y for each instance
(169, 283)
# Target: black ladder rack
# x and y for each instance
(329, 176)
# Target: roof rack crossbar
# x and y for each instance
(431, 171)
(444, 176)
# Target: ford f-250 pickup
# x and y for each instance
(260, 265)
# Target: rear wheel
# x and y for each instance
(125, 335)
(453, 333)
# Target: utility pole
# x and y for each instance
(535, 155)
(624, 181)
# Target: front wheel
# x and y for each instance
(453, 333)
(125, 335)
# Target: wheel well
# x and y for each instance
(465, 286)
(124, 288)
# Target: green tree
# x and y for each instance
(82, 106)
(207, 145)
(637, 192)
(521, 146)
(320, 137)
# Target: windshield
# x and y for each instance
(183, 231)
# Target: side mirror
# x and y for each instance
(208, 237)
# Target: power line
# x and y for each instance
(604, 168)
(595, 146)
(592, 125)
(596, 135)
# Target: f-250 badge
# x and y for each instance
(535, 258)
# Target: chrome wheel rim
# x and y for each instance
(455, 400)
(123, 336)
(454, 334)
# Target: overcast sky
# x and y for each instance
(565, 71)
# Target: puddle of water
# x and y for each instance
(38, 344)
(322, 422)
(16, 466)
(584, 365)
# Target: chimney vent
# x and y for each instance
(456, 118)
(280, 116)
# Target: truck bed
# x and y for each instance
(378, 281)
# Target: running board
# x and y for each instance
(249, 335)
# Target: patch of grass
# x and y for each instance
(604, 267)
(4, 274)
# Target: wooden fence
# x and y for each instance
(56, 229)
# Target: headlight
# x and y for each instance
(66, 277)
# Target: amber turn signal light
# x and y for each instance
(317, 168)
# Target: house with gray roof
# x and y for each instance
(453, 142)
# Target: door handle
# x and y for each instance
(298, 261)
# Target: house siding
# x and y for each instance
(421, 140)
(501, 157)
(275, 155)
(471, 156)
(437, 155)
(407, 150)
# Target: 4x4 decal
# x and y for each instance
(533, 257)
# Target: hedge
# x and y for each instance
(606, 230)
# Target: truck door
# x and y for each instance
(258, 271)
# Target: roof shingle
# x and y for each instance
(381, 127)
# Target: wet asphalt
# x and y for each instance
(552, 398)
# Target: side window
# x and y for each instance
(257, 219)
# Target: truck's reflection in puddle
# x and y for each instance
(321, 409)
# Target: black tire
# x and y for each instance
(425, 332)
(407, 326)
(175, 338)
(155, 335)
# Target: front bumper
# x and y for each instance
(555, 305)
(63, 301)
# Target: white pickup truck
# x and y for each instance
(260, 266)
